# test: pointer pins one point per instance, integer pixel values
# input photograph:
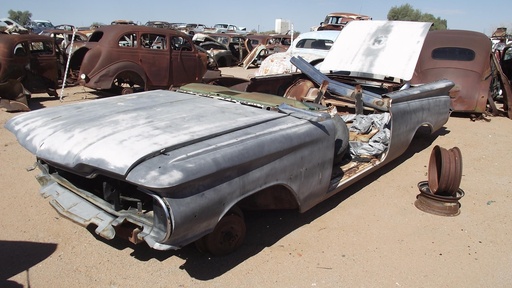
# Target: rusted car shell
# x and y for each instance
(273, 42)
(103, 60)
(36, 66)
(224, 55)
(234, 42)
(462, 57)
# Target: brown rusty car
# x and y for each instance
(128, 58)
(338, 20)
(464, 57)
(28, 64)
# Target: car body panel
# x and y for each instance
(387, 48)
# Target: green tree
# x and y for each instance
(407, 13)
(22, 17)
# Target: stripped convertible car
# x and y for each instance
(171, 168)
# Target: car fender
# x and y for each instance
(105, 77)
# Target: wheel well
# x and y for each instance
(273, 197)
(130, 77)
(76, 59)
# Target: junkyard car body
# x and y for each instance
(463, 57)
(311, 46)
(234, 42)
(274, 43)
(338, 20)
(136, 57)
(30, 58)
(224, 55)
(260, 46)
(171, 167)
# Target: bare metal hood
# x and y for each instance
(116, 133)
(386, 48)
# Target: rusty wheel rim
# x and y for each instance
(440, 205)
(445, 170)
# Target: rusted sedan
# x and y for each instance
(128, 58)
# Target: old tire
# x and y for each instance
(227, 236)
(127, 90)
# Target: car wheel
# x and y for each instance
(127, 90)
(227, 236)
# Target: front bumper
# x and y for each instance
(85, 208)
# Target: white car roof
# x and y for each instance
(324, 34)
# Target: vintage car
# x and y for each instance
(171, 168)
(225, 28)
(29, 61)
(260, 46)
(235, 43)
(192, 28)
(338, 20)
(273, 42)
(464, 57)
(311, 46)
(128, 58)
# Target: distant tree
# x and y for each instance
(407, 13)
(22, 17)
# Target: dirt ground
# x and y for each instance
(370, 235)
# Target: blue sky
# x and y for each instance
(260, 15)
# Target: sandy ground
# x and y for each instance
(370, 235)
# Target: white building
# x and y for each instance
(282, 26)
